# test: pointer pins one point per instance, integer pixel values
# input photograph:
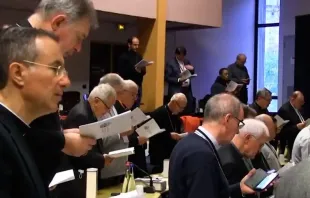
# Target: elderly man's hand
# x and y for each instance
(75, 144)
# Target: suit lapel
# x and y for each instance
(16, 128)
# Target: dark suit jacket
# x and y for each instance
(195, 172)
(19, 175)
(139, 157)
(172, 73)
(258, 109)
(80, 114)
(219, 86)
(161, 145)
(234, 169)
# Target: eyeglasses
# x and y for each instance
(241, 123)
(104, 103)
(60, 70)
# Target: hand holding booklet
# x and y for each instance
(107, 127)
(233, 86)
(186, 74)
(143, 63)
(149, 129)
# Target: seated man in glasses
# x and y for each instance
(236, 156)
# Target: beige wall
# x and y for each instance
(78, 65)
(199, 12)
(139, 8)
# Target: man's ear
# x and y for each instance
(17, 73)
(57, 21)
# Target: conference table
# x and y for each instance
(106, 193)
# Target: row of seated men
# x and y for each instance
(114, 96)
(290, 110)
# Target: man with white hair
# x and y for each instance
(166, 116)
(125, 102)
(236, 156)
(113, 175)
(99, 102)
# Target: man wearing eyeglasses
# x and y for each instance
(262, 101)
(236, 156)
(71, 21)
(166, 116)
(99, 102)
(31, 85)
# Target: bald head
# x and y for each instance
(241, 59)
(297, 99)
(270, 123)
(177, 103)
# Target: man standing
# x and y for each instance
(173, 69)
(126, 66)
(195, 168)
(262, 101)
(239, 74)
(71, 22)
(31, 62)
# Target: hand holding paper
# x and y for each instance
(233, 86)
(186, 74)
(143, 63)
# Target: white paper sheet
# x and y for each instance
(186, 74)
(122, 152)
(143, 63)
(62, 177)
(108, 127)
(137, 116)
(233, 86)
(131, 194)
(280, 121)
(149, 129)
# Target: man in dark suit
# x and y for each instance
(125, 103)
(195, 168)
(220, 83)
(236, 156)
(173, 69)
(126, 66)
(291, 111)
(166, 116)
(239, 74)
(71, 22)
(31, 62)
(262, 101)
(100, 100)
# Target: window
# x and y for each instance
(267, 48)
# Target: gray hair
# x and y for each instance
(221, 105)
(16, 45)
(103, 91)
(129, 84)
(254, 127)
(112, 79)
(263, 93)
(74, 9)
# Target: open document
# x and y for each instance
(62, 177)
(233, 86)
(143, 63)
(280, 121)
(186, 74)
(122, 152)
(137, 116)
(107, 127)
(149, 129)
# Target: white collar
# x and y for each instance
(209, 135)
(14, 113)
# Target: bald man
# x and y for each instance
(166, 116)
(291, 111)
(239, 74)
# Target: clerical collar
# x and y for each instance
(14, 113)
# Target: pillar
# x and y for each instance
(152, 35)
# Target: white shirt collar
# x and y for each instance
(14, 113)
(209, 135)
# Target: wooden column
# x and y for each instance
(152, 35)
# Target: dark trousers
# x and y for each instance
(243, 95)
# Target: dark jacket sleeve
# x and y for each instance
(125, 70)
(189, 63)
(133, 139)
(232, 75)
(6, 173)
(234, 185)
(92, 159)
(169, 75)
(217, 89)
